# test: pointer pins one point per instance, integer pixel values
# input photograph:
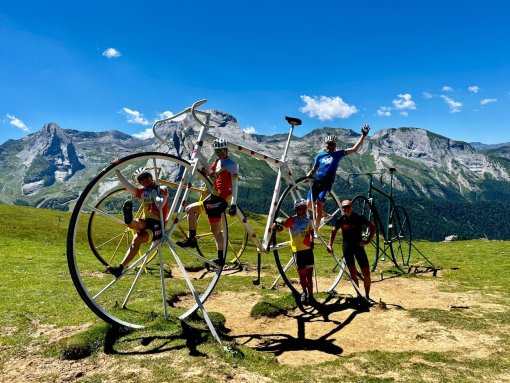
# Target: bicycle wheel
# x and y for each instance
(236, 243)
(362, 206)
(400, 236)
(110, 249)
(327, 270)
(97, 237)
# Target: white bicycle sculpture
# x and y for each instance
(97, 236)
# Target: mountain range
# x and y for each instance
(435, 175)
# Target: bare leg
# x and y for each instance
(218, 235)
(139, 238)
(366, 280)
(318, 213)
(354, 274)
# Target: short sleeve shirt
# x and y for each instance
(327, 164)
(224, 173)
(148, 199)
(351, 228)
(300, 230)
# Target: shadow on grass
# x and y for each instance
(119, 341)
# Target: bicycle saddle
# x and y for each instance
(293, 120)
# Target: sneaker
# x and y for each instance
(189, 242)
(116, 271)
(219, 261)
(127, 210)
(304, 298)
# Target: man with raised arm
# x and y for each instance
(325, 166)
(148, 227)
(224, 173)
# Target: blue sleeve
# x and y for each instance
(316, 162)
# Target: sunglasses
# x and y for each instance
(346, 206)
(217, 151)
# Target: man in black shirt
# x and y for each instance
(353, 244)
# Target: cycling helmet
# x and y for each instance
(220, 143)
(300, 202)
(140, 171)
(331, 138)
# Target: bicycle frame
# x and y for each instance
(389, 197)
(197, 158)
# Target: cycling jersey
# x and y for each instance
(224, 174)
(148, 200)
(327, 164)
(351, 228)
(301, 231)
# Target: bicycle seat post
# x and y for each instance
(293, 122)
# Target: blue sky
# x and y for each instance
(98, 65)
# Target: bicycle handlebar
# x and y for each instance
(190, 109)
(194, 113)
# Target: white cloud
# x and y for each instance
(473, 88)
(167, 114)
(427, 95)
(454, 105)
(134, 117)
(486, 101)
(147, 133)
(112, 53)
(447, 88)
(17, 123)
(250, 130)
(403, 102)
(384, 111)
(326, 108)
(404, 113)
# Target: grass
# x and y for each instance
(38, 299)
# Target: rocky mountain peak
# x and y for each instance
(49, 157)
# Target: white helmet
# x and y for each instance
(140, 171)
(300, 202)
(331, 138)
(220, 143)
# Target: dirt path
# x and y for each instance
(338, 329)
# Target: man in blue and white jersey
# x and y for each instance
(324, 169)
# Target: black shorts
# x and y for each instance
(304, 259)
(358, 252)
(214, 206)
(153, 228)
(320, 190)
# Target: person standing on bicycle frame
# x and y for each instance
(353, 245)
(224, 174)
(148, 227)
(325, 165)
(301, 242)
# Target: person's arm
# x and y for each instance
(332, 239)
(232, 210)
(125, 182)
(312, 171)
(357, 145)
(371, 227)
(314, 168)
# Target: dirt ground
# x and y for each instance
(339, 329)
(297, 338)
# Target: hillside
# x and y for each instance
(51, 167)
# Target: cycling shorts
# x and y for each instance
(358, 252)
(304, 259)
